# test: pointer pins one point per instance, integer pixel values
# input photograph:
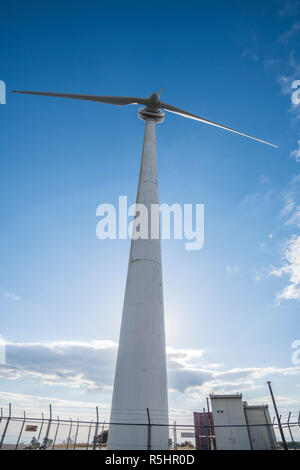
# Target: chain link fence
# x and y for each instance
(53, 433)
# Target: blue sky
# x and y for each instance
(232, 309)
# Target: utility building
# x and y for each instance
(238, 426)
(229, 422)
(261, 432)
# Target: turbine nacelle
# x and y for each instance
(153, 103)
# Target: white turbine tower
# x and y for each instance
(140, 384)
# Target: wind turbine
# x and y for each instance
(140, 386)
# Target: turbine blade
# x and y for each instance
(118, 100)
(186, 114)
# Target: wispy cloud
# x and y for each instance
(290, 250)
(261, 198)
(288, 205)
(296, 153)
(264, 179)
(288, 7)
(290, 268)
(247, 53)
(232, 269)
(34, 404)
(12, 296)
(286, 82)
(291, 33)
(258, 276)
(294, 219)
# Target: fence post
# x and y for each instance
(149, 431)
(175, 435)
(270, 436)
(54, 440)
(278, 417)
(76, 434)
(24, 419)
(48, 427)
(291, 434)
(41, 427)
(69, 437)
(96, 429)
(6, 425)
(88, 439)
(101, 435)
(212, 446)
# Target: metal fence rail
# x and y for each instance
(54, 433)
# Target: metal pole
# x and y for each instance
(270, 435)
(48, 427)
(88, 439)
(1, 415)
(278, 417)
(69, 437)
(41, 427)
(175, 435)
(96, 429)
(149, 431)
(6, 425)
(291, 434)
(76, 434)
(212, 444)
(54, 440)
(20, 431)
(206, 428)
(101, 436)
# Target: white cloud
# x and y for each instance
(290, 34)
(290, 251)
(288, 83)
(288, 206)
(86, 365)
(12, 296)
(296, 153)
(295, 179)
(291, 268)
(259, 198)
(232, 269)
(258, 276)
(89, 366)
(34, 404)
(294, 218)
